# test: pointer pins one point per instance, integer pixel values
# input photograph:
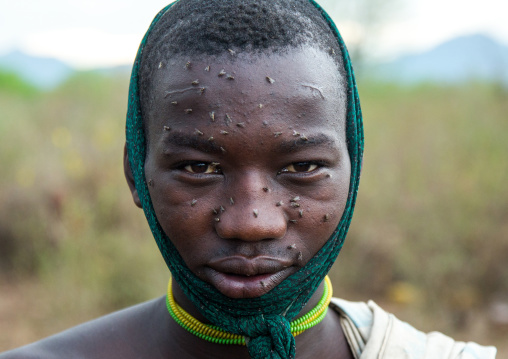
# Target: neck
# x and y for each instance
(324, 340)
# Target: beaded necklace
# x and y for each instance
(215, 334)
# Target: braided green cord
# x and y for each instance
(297, 327)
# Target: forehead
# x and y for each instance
(301, 87)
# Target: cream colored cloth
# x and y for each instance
(373, 333)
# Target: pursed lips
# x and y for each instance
(240, 265)
(242, 277)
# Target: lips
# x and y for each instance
(241, 277)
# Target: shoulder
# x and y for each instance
(374, 333)
(120, 334)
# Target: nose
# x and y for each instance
(254, 215)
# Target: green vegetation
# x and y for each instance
(430, 229)
(11, 83)
(430, 233)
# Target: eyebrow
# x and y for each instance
(285, 146)
(290, 146)
(194, 141)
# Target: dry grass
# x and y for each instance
(429, 239)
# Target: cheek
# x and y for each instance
(319, 216)
(325, 209)
(186, 217)
(187, 222)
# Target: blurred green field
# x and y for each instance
(429, 240)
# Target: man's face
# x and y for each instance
(248, 171)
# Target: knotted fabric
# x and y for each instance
(267, 333)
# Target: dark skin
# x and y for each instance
(285, 156)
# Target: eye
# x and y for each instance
(300, 167)
(203, 168)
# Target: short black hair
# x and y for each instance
(212, 27)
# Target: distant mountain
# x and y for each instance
(44, 73)
(458, 60)
(48, 73)
(474, 57)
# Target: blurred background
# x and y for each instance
(429, 241)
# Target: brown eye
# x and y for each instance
(299, 167)
(202, 168)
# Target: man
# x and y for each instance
(244, 149)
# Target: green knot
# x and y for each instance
(268, 336)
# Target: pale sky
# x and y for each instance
(99, 33)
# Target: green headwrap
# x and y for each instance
(268, 334)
